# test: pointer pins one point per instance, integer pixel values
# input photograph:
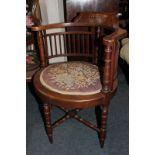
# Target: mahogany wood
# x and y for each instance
(47, 116)
(86, 44)
(102, 132)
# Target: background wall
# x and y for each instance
(52, 11)
(73, 7)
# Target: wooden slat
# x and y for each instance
(78, 43)
(87, 44)
(50, 39)
(55, 45)
(74, 43)
(65, 48)
(60, 44)
(94, 51)
(69, 43)
(93, 42)
(45, 41)
(83, 43)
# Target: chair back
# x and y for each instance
(80, 41)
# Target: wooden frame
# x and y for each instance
(108, 73)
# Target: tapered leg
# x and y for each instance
(102, 133)
(47, 117)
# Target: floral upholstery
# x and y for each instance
(73, 78)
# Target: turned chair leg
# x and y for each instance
(47, 117)
(102, 133)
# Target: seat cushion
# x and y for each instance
(72, 78)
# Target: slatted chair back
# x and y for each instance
(55, 41)
(74, 43)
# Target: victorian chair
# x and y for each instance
(76, 85)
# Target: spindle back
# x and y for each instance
(55, 41)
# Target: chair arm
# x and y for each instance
(116, 35)
(111, 50)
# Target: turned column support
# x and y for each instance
(107, 69)
(47, 117)
(102, 133)
(41, 48)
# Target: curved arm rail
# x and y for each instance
(63, 25)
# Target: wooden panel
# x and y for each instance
(72, 7)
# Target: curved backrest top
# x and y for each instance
(65, 25)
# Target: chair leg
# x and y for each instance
(102, 133)
(47, 116)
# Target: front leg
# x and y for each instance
(102, 133)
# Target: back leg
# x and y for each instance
(102, 133)
(47, 117)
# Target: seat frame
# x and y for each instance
(72, 104)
